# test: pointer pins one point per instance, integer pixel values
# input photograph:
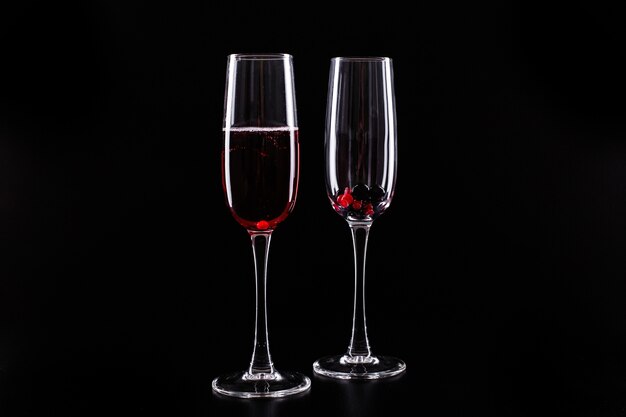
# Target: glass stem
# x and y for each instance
(261, 362)
(359, 345)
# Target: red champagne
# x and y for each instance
(260, 173)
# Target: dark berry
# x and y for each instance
(377, 193)
(360, 192)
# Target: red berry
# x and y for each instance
(356, 204)
(346, 200)
(262, 225)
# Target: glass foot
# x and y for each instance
(358, 367)
(270, 385)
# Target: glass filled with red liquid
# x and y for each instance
(260, 173)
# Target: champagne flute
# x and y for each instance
(260, 174)
(361, 165)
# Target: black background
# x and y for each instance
(497, 273)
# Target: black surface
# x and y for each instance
(497, 273)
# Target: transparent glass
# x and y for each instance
(361, 166)
(260, 173)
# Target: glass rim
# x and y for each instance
(362, 58)
(268, 56)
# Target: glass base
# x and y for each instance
(358, 367)
(270, 385)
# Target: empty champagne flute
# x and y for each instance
(361, 165)
(260, 173)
